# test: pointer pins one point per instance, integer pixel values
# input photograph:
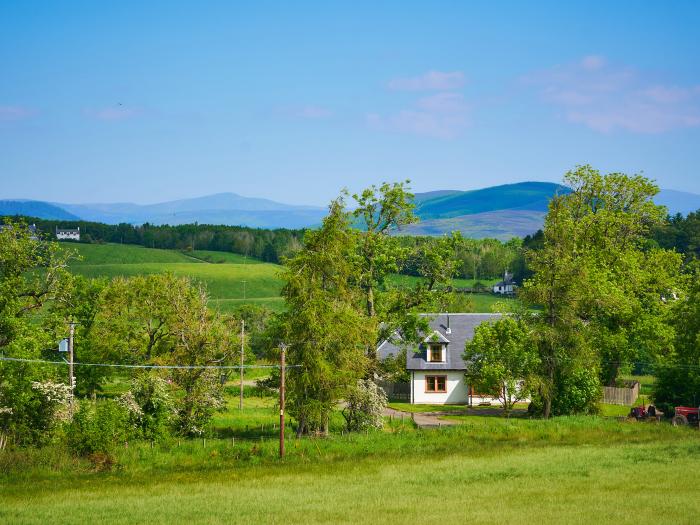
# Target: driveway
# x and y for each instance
(434, 419)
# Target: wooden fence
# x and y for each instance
(396, 391)
(621, 396)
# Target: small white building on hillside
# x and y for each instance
(506, 286)
(68, 235)
(436, 365)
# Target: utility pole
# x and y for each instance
(240, 402)
(283, 351)
(71, 378)
(244, 290)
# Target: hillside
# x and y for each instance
(222, 273)
(501, 224)
(42, 210)
(221, 208)
(228, 283)
(529, 196)
(500, 212)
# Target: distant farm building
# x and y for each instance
(32, 230)
(68, 235)
(506, 286)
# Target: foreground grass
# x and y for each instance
(566, 470)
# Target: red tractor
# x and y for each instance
(685, 416)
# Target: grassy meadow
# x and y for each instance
(485, 470)
(222, 273)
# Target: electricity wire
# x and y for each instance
(170, 367)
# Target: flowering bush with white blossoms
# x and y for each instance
(365, 405)
(150, 406)
(54, 393)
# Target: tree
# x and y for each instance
(678, 375)
(32, 273)
(502, 358)
(325, 326)
(164, 320)
(381, 212)
(600, 288)
(201, 337)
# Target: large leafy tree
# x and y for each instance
(382, 212)
(164, 320)
(325, 327)
(600, 287)
(678, 376)
(32, 273)
(502, 358)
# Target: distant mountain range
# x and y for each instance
(220, 208)
(498, 211)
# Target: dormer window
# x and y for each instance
(436, 353)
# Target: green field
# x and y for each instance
(222, 257)
(410, 280)
(98, 254)
(234, 282)
(223, 273)
(487, 470)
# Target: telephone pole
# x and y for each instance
(240, 402)
(283, 351)
(71, 378)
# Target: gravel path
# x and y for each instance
(434, 419)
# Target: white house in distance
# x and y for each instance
(68, 235)
(436, 365)
(506, 286)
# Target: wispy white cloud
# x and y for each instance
(112, 113)
(442, 115)
(430, 81)
(12, 113)
(606, 97)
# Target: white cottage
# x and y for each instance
(436, 365)
(506, 286)
(68, 235)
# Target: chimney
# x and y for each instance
(449, 330)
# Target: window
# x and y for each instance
(436, 384)
(435, 353)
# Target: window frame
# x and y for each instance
(433, 379)
(441, 350)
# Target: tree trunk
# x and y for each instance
(370, 302)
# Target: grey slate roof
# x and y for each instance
(462, 330)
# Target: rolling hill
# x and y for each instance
(501, 211)
(39, 209)
(510, 210)
(525, 196)
(221, 208)
(231, 280)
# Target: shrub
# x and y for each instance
(365, 405)
(149, 406)
(97, 428)
(576, 393)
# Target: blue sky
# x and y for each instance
(121, 101)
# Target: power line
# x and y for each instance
(114, 365)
